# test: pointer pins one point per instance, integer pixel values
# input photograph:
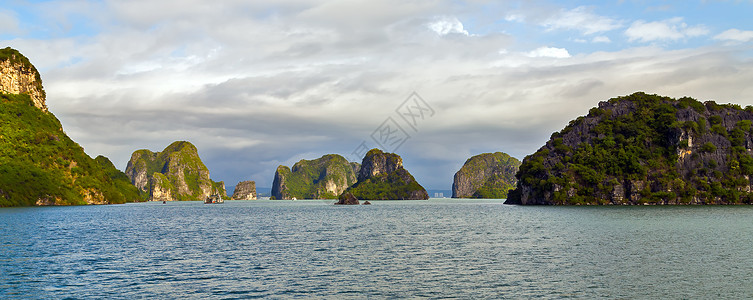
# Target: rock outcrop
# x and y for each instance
(244, 190)
(382, 177)
(322, 178)
(176, 173)
(348, 199)
(487, 175)
(644, 149)
(19, 76)
(40, 164)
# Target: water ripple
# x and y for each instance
(396, 249)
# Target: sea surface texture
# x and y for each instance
(392, 249)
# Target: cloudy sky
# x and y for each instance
(256, 84)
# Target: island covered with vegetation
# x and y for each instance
(644, 149)
(487, 175)
(41, 165)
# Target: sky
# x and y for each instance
(257, 84)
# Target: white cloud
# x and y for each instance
(549, 52)
(515, 18)
(581, 19)
(735, 35)
(601, 39)
(447, 25)
(671, 29)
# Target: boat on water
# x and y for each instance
(213, 199)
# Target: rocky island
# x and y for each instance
(382, 177)
(487, 175)
(244, 190)
(322, 178)
(39, 163)
(175, 173)
(644, 149)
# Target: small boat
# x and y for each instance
(212, 199)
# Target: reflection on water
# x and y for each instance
(436, 248)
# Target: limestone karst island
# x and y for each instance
(632, 150)
(360, 149)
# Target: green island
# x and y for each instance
(487, 175)
(175, 173)
(322, 178)
(382, 177)
(41, 165)
(644, 149)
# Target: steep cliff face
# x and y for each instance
(321, 178)
(160, 188)
(382, 177)
(487, 175)
(245, 190)
(138, 171)
(19, 76)
(644, 149)
(175, 173)
(39, 163)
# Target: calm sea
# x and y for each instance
(392, 249)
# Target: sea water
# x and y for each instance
(391, 249)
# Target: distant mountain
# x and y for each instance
(39, 163)
(487, 175)
(644, 149)
(175, 173)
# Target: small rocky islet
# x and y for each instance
(631, 150)
(244, 190)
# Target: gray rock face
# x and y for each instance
(159, 188)
(487, 175)
(245, 190)
(377, 162)
(19, 76)
(136, 170)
